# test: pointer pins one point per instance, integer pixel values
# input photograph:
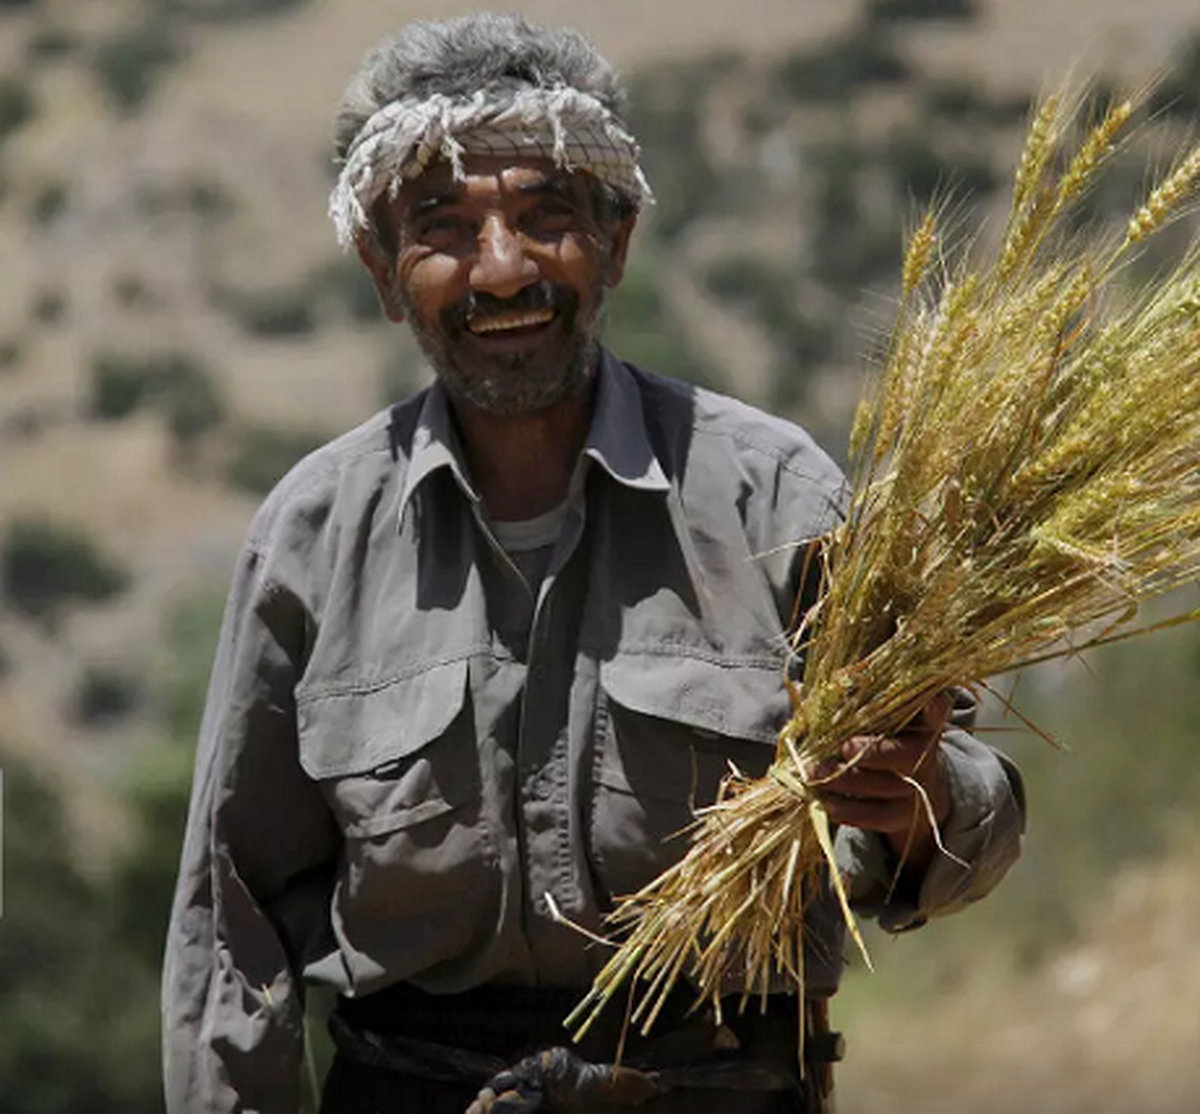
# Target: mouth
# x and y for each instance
(512, 323)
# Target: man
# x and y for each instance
(485, 654)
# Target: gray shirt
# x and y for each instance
(406, 749)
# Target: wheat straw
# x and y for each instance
(1026, 472)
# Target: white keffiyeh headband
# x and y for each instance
(399, 142)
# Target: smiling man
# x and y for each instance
(485, 655)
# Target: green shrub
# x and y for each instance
(49, 202)
(850, 249)
(277, 313)
(17, 105)
(46, 898)
(120, 385)
(194, 627)
(209, 199)
(888, 11)
(175, 384)
(850, 259)
(1178, 94)
(10, 355)
(838, 69)
(347, 282)
(43, 565)
(49, 307)
(105, 695)
(263, 455)
(229, 11)
(769, 294)
(189, 399)
(398, 374)
(668, 103)
(131, 292)
(963, 101)
(956, 99)
(48, 43)
(737, 279)
(641, 328)
(129, 64)
(921, 172)
(835, 171)
(65, 958)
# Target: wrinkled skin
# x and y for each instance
(502, 273)
(871, 787)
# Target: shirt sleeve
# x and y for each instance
(253, 890)
(981, 839)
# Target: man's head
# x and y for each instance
(490, 187)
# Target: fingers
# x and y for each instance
(853, 780)
(935, 716)
(902, 755)
(873, 800)
(872, 814)
(889, 784)
(506, 1102)
(484, 1101)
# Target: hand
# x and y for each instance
(558, 1079)
(871, 785)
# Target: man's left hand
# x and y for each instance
(874, 785)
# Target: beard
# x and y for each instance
(555, 368)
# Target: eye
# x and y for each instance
(443, 229)
(552, 219)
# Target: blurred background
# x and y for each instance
(177, 327)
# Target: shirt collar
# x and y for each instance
(617, 440)
(435, 445)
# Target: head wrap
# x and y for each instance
(400, 140)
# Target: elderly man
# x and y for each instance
(485, 654)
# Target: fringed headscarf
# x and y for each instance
(398, 143)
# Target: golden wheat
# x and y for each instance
(1026, 471)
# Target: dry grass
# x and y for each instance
(1109, 1024)
(1025, 473)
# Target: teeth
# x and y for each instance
(504, 321)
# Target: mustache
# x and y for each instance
(537, 296)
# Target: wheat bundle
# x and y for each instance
(1025, 472)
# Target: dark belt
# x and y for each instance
(512, 1021)
(489, 1033)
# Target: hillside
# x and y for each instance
(166, 197)
(1107, 1025)
(177, 326)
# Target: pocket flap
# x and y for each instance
(737, 701)
(356, 730)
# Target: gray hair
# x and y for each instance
(481, 84)
(495, 53)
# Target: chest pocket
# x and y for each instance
(668, 729)
(399, 766)
(394, 756)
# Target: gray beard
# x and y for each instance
(508, 386)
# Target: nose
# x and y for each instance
(502, 267)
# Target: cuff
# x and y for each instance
(981, 837)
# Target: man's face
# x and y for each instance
(501, 274)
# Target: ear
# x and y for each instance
(622, 233)
(382, 269)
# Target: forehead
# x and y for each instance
(488, 179)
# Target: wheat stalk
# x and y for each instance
(1026, 472)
